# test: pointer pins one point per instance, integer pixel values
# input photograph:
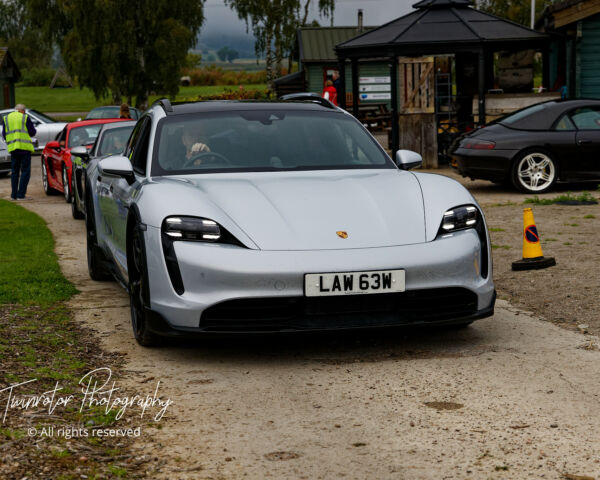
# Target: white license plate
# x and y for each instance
(353, 283)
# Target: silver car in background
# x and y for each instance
(226, 217)
(47, 128)
(5, 162)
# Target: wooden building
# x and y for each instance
(318, 62)
(574, 28)
(416, 47)
(9, 75)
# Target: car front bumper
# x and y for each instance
(229, 288)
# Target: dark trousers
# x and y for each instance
(21, 167)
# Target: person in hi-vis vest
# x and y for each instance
(17, 132)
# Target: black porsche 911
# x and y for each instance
(535, 147)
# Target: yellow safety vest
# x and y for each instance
(15, 128)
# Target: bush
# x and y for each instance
(239, 94)
(37, 77)
(213, 75)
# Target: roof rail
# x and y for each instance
(307, 97)
(165, 103)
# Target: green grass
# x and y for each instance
(29, 271)
(78, 99)
(503, 247)
(589, 216)
(568, 197)
(496, 229)
(39, 340)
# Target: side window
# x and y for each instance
(139, 153)
(586, 118)
(134, 138)
(62, 135)
(564, 124)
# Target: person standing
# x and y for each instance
(330, 93)
(17, 132)
(124, 111)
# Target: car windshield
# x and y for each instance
(105, 112)
(113, 141)
(83, 135)
(260, 140)
(43, 117)
(110, 112)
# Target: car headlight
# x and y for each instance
(459, 218)
(192, 229)
(462, 218)
(189, 229)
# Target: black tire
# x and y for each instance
(48, 190)
(66, 185)
(139, 291)
(95, 258)
(77, 214)
(534, 171)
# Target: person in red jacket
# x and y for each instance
(329, 92)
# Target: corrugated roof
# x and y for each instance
(7, 63)
(443, 22)
(317, 44)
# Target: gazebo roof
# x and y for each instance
(438, 26)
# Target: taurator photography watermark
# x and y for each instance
(97, 389)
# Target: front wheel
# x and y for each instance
(95, 258)
(534, 172)
(139, 291)
(48, 190)
(66, 185)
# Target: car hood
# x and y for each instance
(305, 210)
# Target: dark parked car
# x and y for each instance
(110, 111)
(111, 140)
(535, 147)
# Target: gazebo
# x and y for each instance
(438, 28)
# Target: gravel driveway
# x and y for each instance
(510, 397)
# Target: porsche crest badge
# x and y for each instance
(342, 234)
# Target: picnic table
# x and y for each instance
(374, 116)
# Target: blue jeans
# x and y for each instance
(21, 166)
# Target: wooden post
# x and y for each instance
(481, 87)
(546, 69)
(342, 90)
(355, 87)
(394, 98)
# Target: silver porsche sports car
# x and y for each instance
(277, 217)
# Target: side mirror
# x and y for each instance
(407, 159)
(53, 144)
(117, 166)
(81, 152)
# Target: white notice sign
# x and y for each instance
(376, 96)
(375, 88)
(374, 80)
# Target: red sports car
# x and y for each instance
(56, 157)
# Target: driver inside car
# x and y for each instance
(190, 138)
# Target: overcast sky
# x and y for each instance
(221, 19)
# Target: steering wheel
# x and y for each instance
(202, 155)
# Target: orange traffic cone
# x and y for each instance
(533, 258)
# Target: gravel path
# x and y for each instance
(510, 397)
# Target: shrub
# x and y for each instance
(213, 75)
(230, 94)
(37, 77)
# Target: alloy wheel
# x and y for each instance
(536, 172)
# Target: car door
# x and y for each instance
(117, 195)
(587, 121)
(54, 160)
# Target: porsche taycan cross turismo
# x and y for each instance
(280, 216)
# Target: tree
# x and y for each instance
(518, 11)
(26, 44)
(274, 24)
(227, 54)
(125, 48)
(222, 53)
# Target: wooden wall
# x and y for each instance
(418, 132)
